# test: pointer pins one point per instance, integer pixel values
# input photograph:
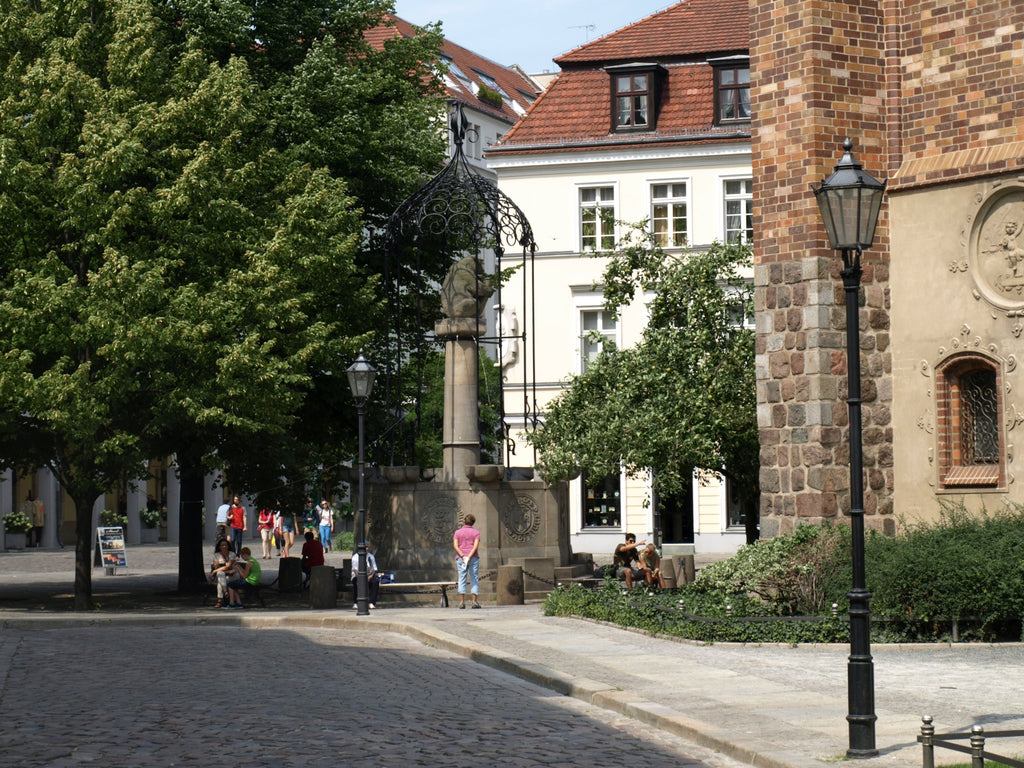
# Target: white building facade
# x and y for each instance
(641, 125)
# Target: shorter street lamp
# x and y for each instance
(360, 380)
(849, 200)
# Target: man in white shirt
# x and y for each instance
(372, 579)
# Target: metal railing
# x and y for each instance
(929, 740)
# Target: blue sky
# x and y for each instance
(526, 32)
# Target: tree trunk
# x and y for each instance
(191, 565)
(84, 542)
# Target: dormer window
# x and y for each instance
(732, 89)
(634, 96)
(631, 99)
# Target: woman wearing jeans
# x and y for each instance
(467, 546)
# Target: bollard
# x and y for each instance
(668, 573)
(688, 569)
(289, 574)
(977, 746)
(510, 585)
(323, 587)
(927, 745)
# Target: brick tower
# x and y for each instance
(821, 72)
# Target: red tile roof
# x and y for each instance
(517, 86)
(575, 110)
(684, 29)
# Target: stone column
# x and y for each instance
(173, 502)
(212, 495)
(137, 499)
(461, 433)
(49, 489)
(6, 492)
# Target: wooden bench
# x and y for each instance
(412, 587)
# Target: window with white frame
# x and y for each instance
(597, 328)
(668, 214)
(597, 218)
(739, 210)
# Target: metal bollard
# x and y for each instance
(977, 747)
(927, 746)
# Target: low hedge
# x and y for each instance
(960, 577)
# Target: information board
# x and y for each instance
(110, 544)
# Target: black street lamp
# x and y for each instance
(360, 380)
(849, 200)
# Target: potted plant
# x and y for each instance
(111, 519)
(150, 519)
(16, 528)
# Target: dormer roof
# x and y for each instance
(470, 76)
(685, 42)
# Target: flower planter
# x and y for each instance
(149, 535)
(15, 539)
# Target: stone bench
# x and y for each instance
(412, 587)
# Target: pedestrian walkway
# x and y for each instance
(772, 706)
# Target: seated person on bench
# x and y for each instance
(652, 564)
(627, 563)
(248, 573)
(312, 555)
(372, 579)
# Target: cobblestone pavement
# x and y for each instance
(229, 695)
(149, 662)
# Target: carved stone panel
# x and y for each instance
(439, 518)
(520, 518)
(996, 249)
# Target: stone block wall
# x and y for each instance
(821, 72)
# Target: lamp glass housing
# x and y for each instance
(850, 200)
(360, 378)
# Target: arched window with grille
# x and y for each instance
(971, 450)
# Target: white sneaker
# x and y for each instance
(355, 605)
(372, 606)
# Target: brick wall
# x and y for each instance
(930, 94)
(821, 72)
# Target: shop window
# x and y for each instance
(602, 502)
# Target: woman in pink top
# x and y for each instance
(467, 548)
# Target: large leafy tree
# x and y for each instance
(173, 272)
(682, 398)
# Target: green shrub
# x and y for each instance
(962, 567)
(111, 519)
(793, 575)
(967, 568)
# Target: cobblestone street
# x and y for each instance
(211, 696)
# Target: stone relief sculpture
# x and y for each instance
(996, 248)
(508, 336)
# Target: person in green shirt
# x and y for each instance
(247, 572)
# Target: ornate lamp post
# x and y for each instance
(360, 380)
(849, 200)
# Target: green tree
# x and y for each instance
(683, 397)
(170, 274)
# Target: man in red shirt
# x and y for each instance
(312, 554)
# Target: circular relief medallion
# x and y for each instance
(997, 249)
(520, 518)
(439, 517)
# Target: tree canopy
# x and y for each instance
(181, 227)
(684, 397)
